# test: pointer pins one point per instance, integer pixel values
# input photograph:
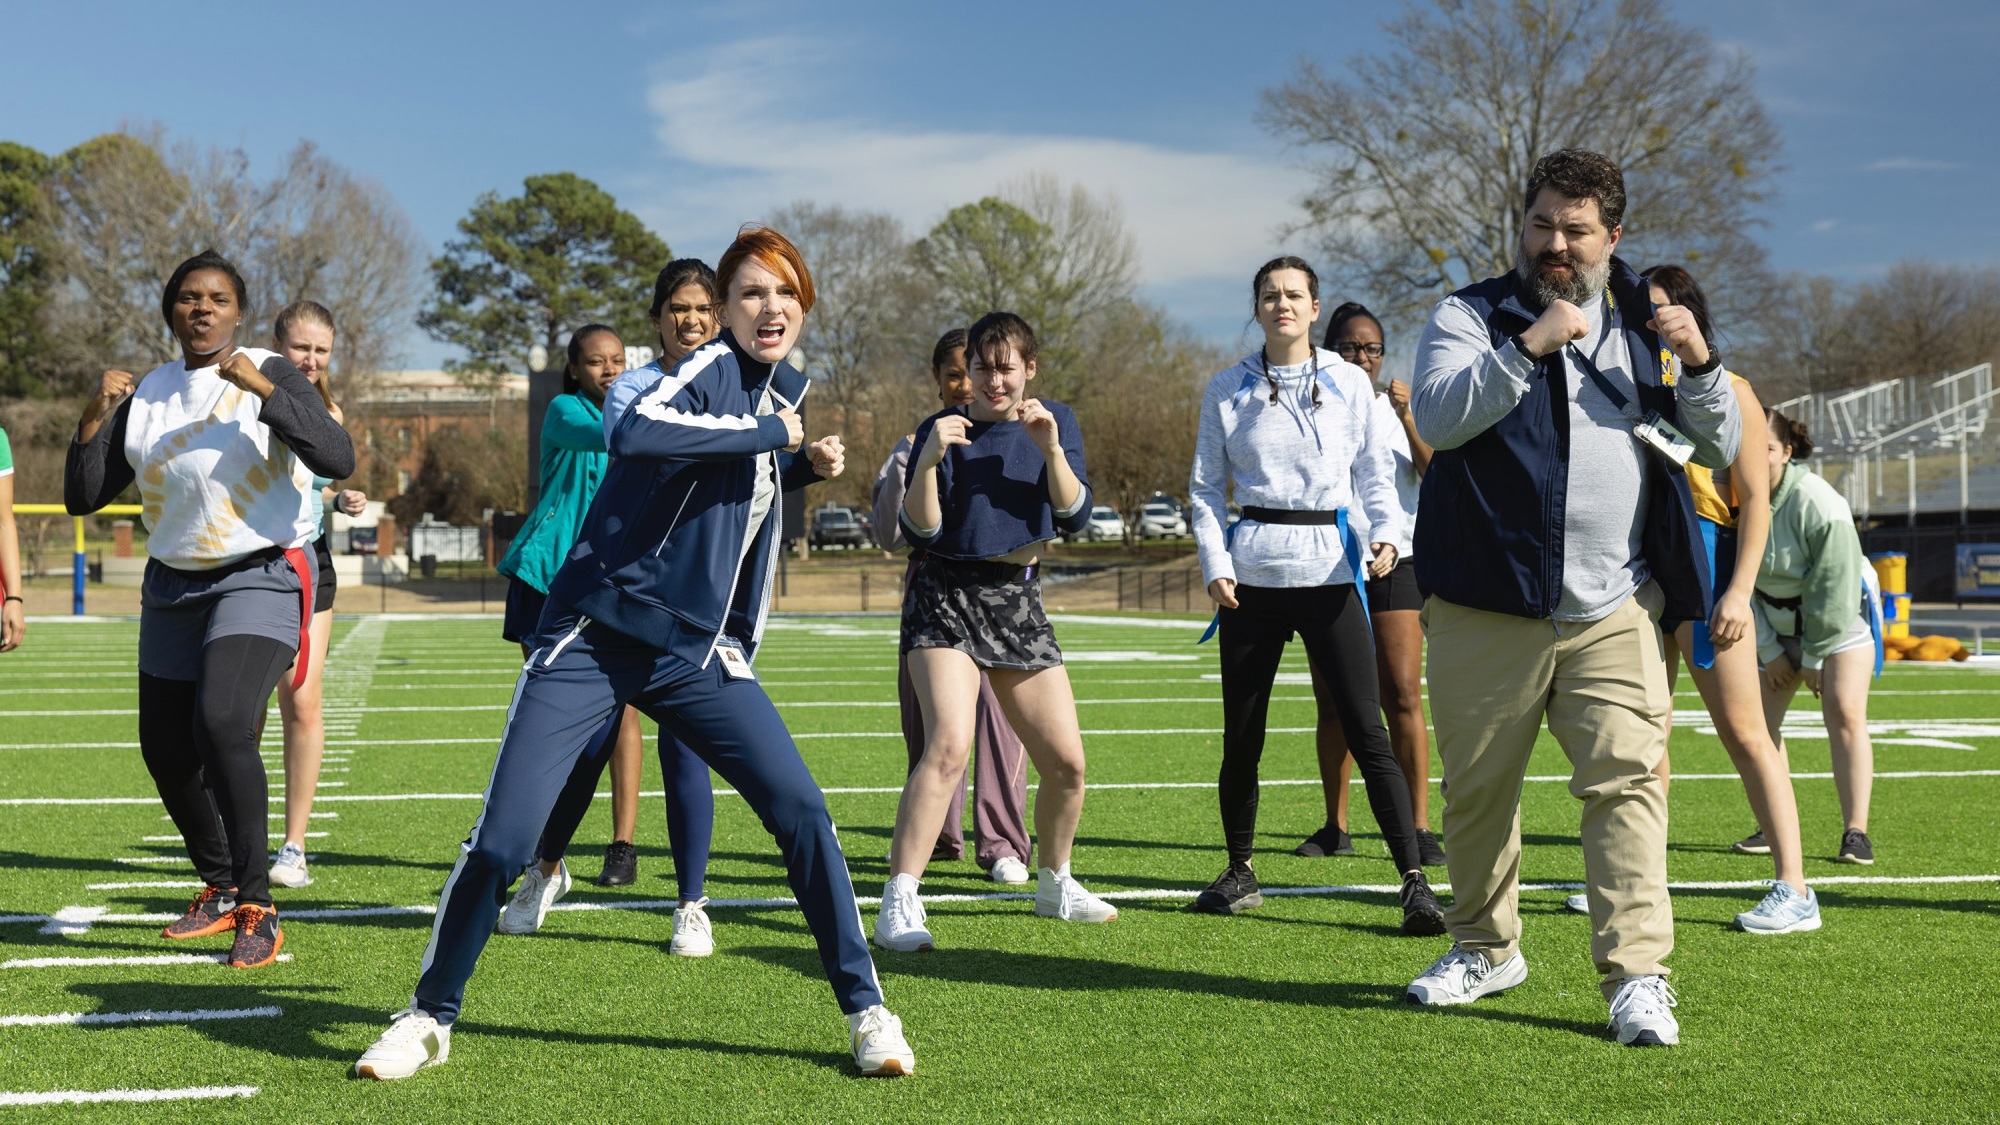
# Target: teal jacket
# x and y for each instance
(1814, 555)
(573, 464)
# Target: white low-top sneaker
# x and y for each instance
(899, 926)
(1783, 911)
(1058, 895)
(289, 869)
(692, 935)
(414, 1041)
(1009, 870)
(880, 1051)
(1578, 903)
(531, 902)
(1464, 975)
(1642, 1013)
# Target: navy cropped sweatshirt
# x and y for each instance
(994, 491)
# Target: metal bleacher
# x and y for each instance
(1908, 446)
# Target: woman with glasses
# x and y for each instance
(1353, 334)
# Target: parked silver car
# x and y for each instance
(1161, 519)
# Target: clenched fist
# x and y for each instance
(1560, 323)
(1041, 427)
(828, 456)
(239, 371)
(1679, 331)
(945, 433)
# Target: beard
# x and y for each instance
(1584, 281)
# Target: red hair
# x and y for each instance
(774, 252)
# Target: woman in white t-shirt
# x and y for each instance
(223, 444)
(1353, 333)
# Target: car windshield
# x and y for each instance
(1103, 514)
(1159, 509)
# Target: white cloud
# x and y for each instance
(755, 128)
(1912, 164)
(1824, 226)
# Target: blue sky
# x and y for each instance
(699, 118)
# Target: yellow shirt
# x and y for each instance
(1708, 503)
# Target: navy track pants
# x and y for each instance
(578, 677)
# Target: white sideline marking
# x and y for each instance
(332, 914)
(175, 886)
(1802, 775)
(177, 838)
(68, 1019)
(147, 959)
(73, 920)
(80, 1097)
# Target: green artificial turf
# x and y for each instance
(1290, 1012)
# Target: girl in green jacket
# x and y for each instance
(1817, 622)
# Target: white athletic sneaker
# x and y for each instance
(880, 1051)
(899, 926)
(1642, 1013)
(1462, 976)
(1578, 903)
(289, 869)
(692, 935)
(414, 1041)
(1009, 870)
(531, 903)
(1057, 895)
(1783, 911)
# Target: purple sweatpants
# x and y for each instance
(999, 778)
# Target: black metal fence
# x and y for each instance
(1933, 553)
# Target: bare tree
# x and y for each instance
(129, 207)
(859, 330)
(1142, 403)
(1423, 150)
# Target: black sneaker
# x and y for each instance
(621, 865)
(1329, 840)
(1855, 848)
(1753, 844)
(1428, 852)
(1233, 892)
(1422, 917)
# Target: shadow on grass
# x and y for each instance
(314, 1027)
(1078, 974)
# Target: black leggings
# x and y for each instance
(1331, 622)
(199, 738)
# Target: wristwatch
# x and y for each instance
(1713, 361)
(1521, 347)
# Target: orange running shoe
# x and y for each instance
(258, 937)
(211, 912)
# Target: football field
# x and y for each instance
(1291, 1012)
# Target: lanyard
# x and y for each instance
(1589, 364)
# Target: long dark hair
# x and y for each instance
(1682, 289)
(952, 341)
(679, 272)
(577, 339)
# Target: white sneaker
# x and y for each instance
(1009, 870)
(414, 1041)
(1057, 895)
(1578, 903)
(1642, 1013)
(692, 935)
(880, 1051)
(531, 903)
(289, 869)
(899, 926)
(1783, 911)
(1462, 976)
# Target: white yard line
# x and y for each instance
(1149, 893)
(1803, 775)
(147, 959)
(75, 1019)
(82, 1097)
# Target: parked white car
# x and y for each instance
(1161, 519)
(1105, 523)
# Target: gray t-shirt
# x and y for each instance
(1606, 510)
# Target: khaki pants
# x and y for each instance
(1602, 686)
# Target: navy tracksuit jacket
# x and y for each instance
(659, 583)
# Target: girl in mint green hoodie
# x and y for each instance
(1817, 620)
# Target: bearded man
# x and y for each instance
(1555, 527)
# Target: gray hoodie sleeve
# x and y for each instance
(1462, 385)
(1710, 417)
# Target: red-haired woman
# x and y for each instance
(661, 605)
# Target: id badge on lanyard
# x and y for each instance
(735, 665)
(1653, 430)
